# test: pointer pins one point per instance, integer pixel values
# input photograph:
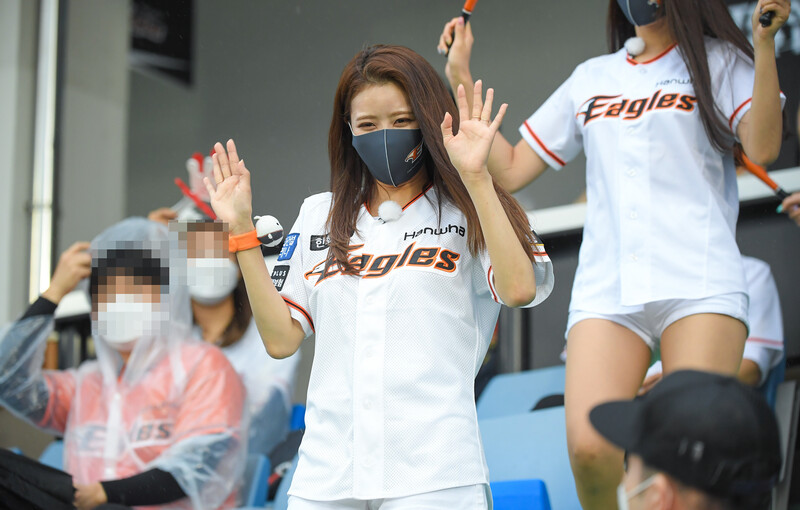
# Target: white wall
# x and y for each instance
(18, 29)
(266, 72)
(94, 124)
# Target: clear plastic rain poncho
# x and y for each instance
(177, 405)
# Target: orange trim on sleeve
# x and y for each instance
(543, 146)
(765, 341)
(489, 281)
(302, 310)
(736, 112)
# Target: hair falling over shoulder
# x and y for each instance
(690, 21)
(352, 184)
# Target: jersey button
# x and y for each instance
(632, 172)
(633, 257)
(630, 130)
(367, 404)
(633, 215)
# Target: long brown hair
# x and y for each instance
(689, 21)
(351, 182)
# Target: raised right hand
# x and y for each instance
(74, 265)
(457, 68)
(791, 206)
(232, 200)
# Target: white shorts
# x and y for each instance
(470, 497)
(651, 319)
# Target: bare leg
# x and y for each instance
(704, 341)
(605, 361)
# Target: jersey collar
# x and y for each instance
(663, 53)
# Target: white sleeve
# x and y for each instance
(287, 274)
(542, 268)
(553, 131)
(764, 344)
(734, 90)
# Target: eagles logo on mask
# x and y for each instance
(641, 12)
(393, 156)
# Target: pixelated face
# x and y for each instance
(120, 285)
(211, 270)
(203, 239)
(129, 295)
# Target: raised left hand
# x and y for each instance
(781, 8)
(89, 496)
(469, 149)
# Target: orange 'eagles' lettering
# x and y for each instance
(377, 266)
(601, 107)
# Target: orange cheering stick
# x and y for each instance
(466, 12)
(759, 172)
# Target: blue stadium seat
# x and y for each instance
(520, 495)
(531, 446)
(256, 480)
(517, 393)
(775, 377)
(298, 418)
(53, 455)
(282, 496)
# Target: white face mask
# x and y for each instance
(211, 279)
(623, 497)
(124, 321)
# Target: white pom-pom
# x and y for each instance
(634, 46)
(269, 230)
(390, 211)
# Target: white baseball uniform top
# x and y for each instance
(764, 346)
(662, 202)
(391, 409)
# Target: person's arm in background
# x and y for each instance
(512, 166)
(761, 128)
(749, 372)
(153, 487)
(43, 399)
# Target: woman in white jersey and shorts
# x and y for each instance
(659, 256)
(402, 297)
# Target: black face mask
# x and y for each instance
(393, 156)
(641, 12)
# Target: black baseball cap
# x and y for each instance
(708, 431)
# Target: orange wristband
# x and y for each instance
(243, 241)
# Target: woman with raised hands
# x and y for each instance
(400, 271)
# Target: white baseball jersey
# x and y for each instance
(764, 346)
(391, 409)
(662, 202)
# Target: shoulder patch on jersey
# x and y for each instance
(319, 243)
(279, 274)
(289, 246)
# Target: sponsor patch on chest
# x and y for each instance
(279, 274)
(289, 246)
